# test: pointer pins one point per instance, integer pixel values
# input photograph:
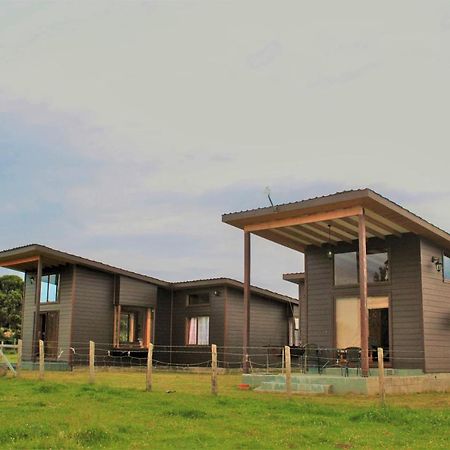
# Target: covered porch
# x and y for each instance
(354, 231)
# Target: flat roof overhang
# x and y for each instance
(24, 259)
(334, 219)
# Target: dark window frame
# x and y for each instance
(445, 257)
(199, 294)
(58, 284)
(369, 283)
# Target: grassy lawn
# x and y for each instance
(63, 411)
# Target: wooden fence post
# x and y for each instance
(287, 359)
(149, 379)
(214, 369)
(19, 357)
(381, 375)
(41, 359)
(91, 362)
(282, 360)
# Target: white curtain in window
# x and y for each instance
(203, 331)
(192, 331)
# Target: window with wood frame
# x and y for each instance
(198, 330)
(49, 288)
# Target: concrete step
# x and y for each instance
(310, 388)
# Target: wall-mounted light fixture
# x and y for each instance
(32, 279)
(437, 262)
(216, 293)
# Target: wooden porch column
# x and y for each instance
(363, 296)
(246, 328)
(148, 327)
(37, 302)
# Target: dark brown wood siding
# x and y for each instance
(436, 311)
(93, 309)
(162, 317)
(63, 307)
(137, 293)
(403, 289)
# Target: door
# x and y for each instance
(49, 333)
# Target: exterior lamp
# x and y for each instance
(437, 262)
(330, 253)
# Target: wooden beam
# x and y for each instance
(383, 226)
(148, 327)
(286, 242)
(316, 238)
(16, 262)
(289, 235)
(364, 312)
(333, 233)
(308, 218)
(351, 221)
(246, 327)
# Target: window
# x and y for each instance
(198, 299)
(198, 331)
(446, 268)
(49, 288)
(377, 266)
(346, 266)
(126, 327)
(294, 332)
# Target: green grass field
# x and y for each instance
(63, 411)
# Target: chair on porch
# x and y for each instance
(328, 357)
(352, 359)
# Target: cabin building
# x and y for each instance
(70, 300)
(376, 275)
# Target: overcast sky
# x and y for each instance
(127, 128)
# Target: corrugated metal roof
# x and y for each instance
(48, 251)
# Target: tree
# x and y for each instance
(11, 296)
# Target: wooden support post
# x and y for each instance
(37, 303)
(364, 316)
(282, 360)
(149, 380)
(19, 357)
(381, 375)
(287, 358)
(246, 328)
(214, 369)
(91, 362)
(148, 327)
(41, 359)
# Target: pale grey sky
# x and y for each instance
(127, 128)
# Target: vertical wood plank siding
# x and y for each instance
(404, 290)
(436, 311)
(64, 307)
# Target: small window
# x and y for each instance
(345, 268)
(198, 330)
(294, 332)
(377, 266)
(49, 288)
(446, 268)
(198, 299)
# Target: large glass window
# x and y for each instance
(198, 299)
(345, 268)
(49, 288)
(446, 268)
(198, 330)
(377, 266)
